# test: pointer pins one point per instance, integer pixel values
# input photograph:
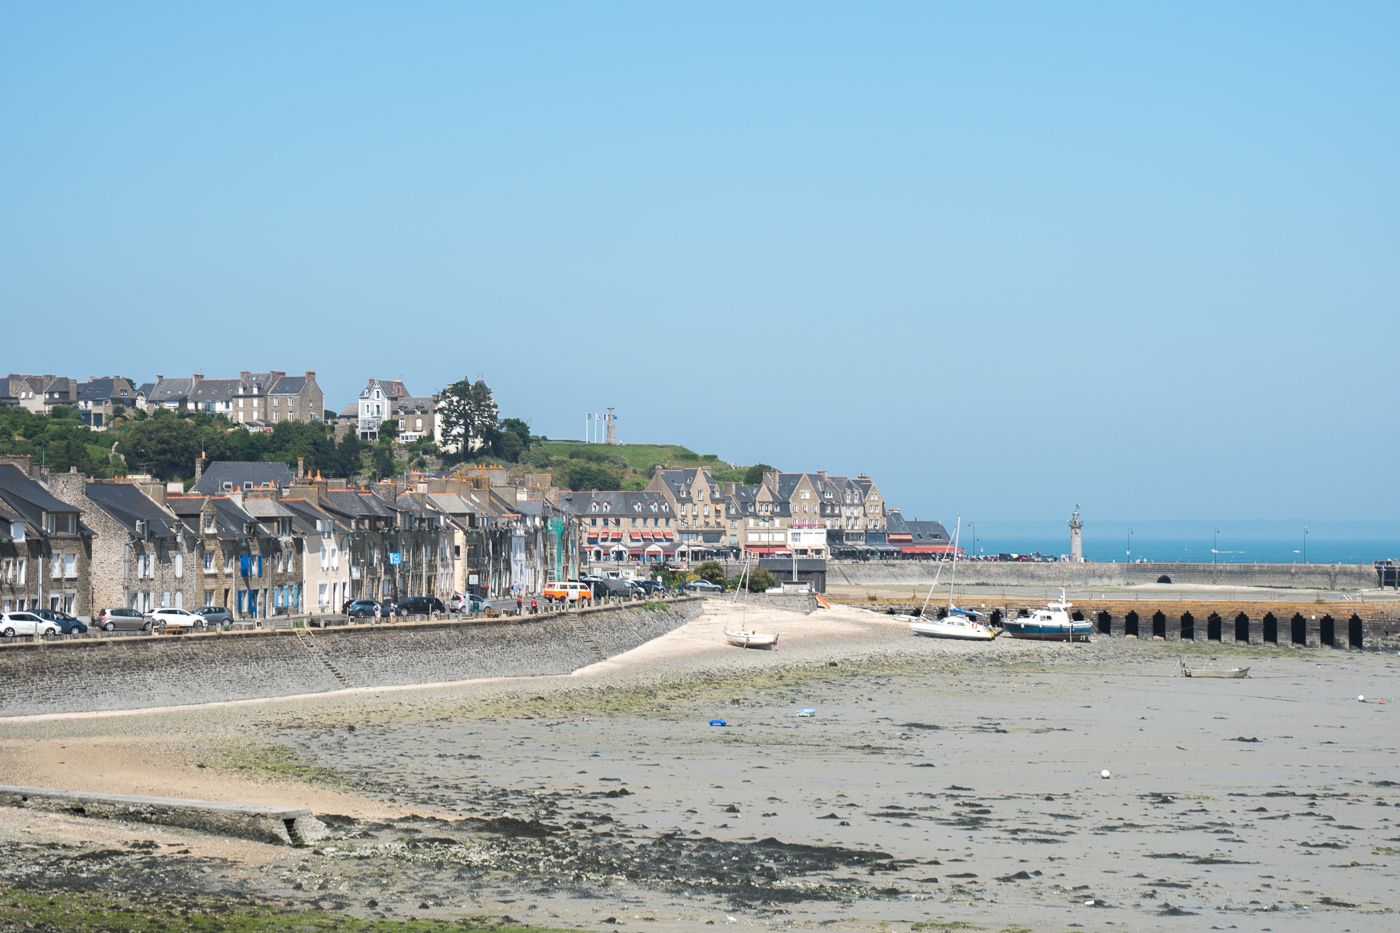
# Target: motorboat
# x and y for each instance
(956, 623)
(1053, 623)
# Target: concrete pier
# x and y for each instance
(276, 825)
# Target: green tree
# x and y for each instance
(164, 445)
(761, 581)
(581, 477)
(754, 474)
(468, 412)
(711, 570)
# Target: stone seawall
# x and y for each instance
(1018, 573)
(135, 673)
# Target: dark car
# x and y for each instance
(123, 620)
(651, 587)
(703, 586)
(420, 606)
(362, 608)
(624, 589)
(214, 615)
(67, 625)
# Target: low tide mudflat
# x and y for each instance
(936, 786)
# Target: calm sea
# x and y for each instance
(1193, 542)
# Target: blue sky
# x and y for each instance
(1003, 257)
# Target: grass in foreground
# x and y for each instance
(99, 912)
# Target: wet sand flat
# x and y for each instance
(935, 783)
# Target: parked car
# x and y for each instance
(175, 621)
(122, 620)
(215, 615)
(651, 587)
(624, 589)
(476, 603)
(568, 591)
(25, 623)
(420, 606)
(67, 625)
(703, 586)
(362, 608)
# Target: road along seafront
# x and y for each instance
(936, 784)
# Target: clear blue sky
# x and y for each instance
(1003, 257)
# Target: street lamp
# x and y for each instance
(1130, 545)
(1214, 545)
(1305, 544)
(974, 537)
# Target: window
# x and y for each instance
(23, 568)
(208, 561)
(179, 565)
(208, 599)
(209, 521)
(179, 600)
(322, 594)
(335, 558)
(228, 560)
(56, 568)
(274, 403)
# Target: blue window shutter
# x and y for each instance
(260, 573)
(240, 600)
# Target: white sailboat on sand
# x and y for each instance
(960, 624)
(745, 638)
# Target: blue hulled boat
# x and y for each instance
(1052, 623)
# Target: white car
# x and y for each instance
(166, 619)
(25, 623)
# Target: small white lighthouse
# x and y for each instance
(1076, 539)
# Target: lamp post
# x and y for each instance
(1214, 545)
(1305, 544)
(974, 537)
(1130, 545)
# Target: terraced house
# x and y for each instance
(45, 548)
(251, 399)
(696, 501)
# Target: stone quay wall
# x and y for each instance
(99, 674)
(1063, 573)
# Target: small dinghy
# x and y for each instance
(1234, 673)
(751, 639)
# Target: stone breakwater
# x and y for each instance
(92, 675)
(1020, 573)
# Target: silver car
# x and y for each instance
(25, 623)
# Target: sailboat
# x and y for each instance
(958, 623)
(746, 638)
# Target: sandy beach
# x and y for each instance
(935, 784)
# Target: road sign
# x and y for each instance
(395, 557)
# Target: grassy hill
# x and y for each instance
(632, 464)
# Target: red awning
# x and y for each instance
(767, 550)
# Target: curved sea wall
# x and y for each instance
(95, 674)
(1025, 573)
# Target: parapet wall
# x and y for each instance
(1063, 573)
(138, 673)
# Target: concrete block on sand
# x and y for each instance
(276, 825)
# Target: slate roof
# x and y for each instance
(127, 505)
(682, 481)
(28, 497)
(164, 391)
(100, 390)
(239, 472)
(289, 385)
(307, 514)
(614, 504)
(920, 532)
(212, 390)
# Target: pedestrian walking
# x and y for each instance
(376, 613)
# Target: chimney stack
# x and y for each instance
(199, 468)
(301, 468)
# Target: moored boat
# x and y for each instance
(752, 639)
(1233, 673)
(959, 624)
(1053, 623)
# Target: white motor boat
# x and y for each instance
(1053, 623)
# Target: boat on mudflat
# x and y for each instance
(1233, 673)
(752, 639)
(1053, 623)
(959, 624)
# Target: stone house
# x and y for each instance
(417, 418)
(281, 552)
(141, 557)
(45, 548)
(40, 393)
(325, 543)
(252, 397)
(696, 501)
(625, 526)
(100, 398)
(237, 555)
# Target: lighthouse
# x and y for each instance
(1076, 539)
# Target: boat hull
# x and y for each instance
(955, 632)
(1078, 631)
(1234, 673)
(751, 640)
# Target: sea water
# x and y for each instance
(1195, 542)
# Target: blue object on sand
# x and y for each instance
(718, 722)
(805, 713)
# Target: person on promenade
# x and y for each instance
(376, 613)
(534, 606)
